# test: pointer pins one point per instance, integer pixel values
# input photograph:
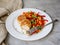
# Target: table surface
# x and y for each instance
(53, 8)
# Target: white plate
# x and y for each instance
(10, 25)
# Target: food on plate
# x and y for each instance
(24, 23)
(21, 18)
(30, 20)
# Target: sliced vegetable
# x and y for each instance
(33, 16)
(33, 22)
(39, 27)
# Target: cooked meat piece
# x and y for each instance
(25, 24)
(21, 18)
